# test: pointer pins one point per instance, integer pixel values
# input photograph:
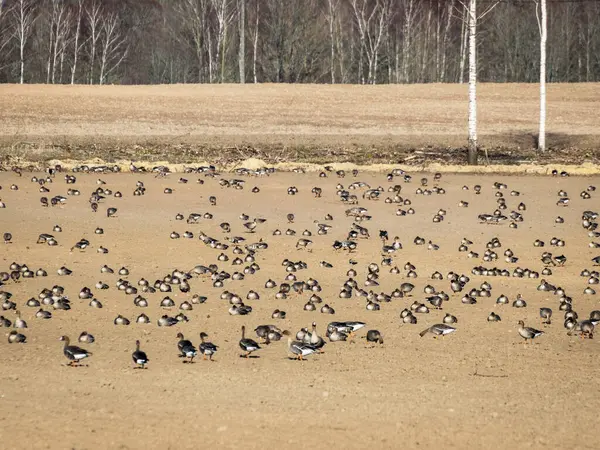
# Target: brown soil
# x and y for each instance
(221, 123)
(479, 387)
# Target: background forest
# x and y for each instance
(290, 41)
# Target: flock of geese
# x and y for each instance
(241, 252)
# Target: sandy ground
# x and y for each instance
(479, 387)
(296, 116)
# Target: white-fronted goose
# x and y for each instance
(73, 353)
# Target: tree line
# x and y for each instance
(291, 41)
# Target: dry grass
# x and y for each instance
(362, 123)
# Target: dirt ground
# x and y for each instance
(479, 387)
(292, 122)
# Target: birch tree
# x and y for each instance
(372, 23)
(242, 33)
(25, 14)
(471, 9)
(224, 15)
(410, 14)
(60, 27)
(542, 19)
(114, 46)
(331, 16)
(76, 45)
(255, 40)
(93, 13)
(5, 31)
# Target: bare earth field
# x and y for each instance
(190, 123)
(479, 387)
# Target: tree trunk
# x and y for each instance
(331, 22)
(242, 49)
(445, 39)
(543, 39)
(254, 51)
(472, 148)
(464, 34)
(76, 46)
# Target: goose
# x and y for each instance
(528, 332)
(587, 328)
(374, 336)
(493, 317)
(19, 323)
(439, 329)
(300, 349)
(186, 348)
(315, 340)
(73, 353)
(4, 322)
(206, 348)
(140, 359)
(247, 344)
(262, 331)
(14, 337)
(546, 314)
(86, 337)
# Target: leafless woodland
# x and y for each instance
(304, 41)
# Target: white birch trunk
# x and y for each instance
(472, 147)
(255, 46)
(24, 12)
(242, 49)
(76, 44)
(543, 39)
(331, 16)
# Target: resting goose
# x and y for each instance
(439, 329)
(247, 344)
(206, 348)
(15, 337)
(73, 353)
(139, 357)
(86, 338)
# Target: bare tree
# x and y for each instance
(242, 32)
(471, 8)
(255, 40)
(94, 16)
(114, 46)
(372, 20)
(224, 16)
(331, 16)
(410, 13)
(76, 45)
(542, 19)
(6, 34)
(60, 28)
(25, 13)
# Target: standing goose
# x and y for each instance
(300, 349)
(186, 348)
(315, 340)
(73, 353)
(19, 323)
(206, 348)
(139, 357)
(247, 344)
(528, 332)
